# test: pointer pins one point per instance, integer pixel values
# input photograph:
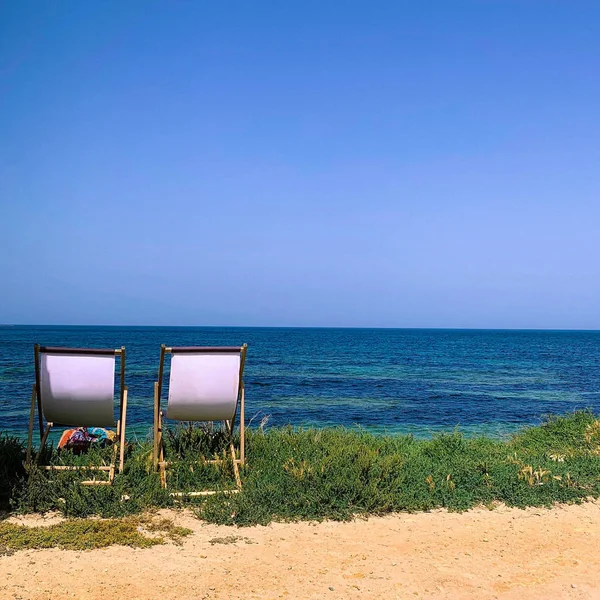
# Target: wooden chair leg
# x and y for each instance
(113, 462)
(43, 442)
(156, 426)
(236, 470)
(123, 428)
(161, 452)
(234, 461)
(30, 435)
(242, 431)
(161, 444)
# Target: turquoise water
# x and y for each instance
(384, 380)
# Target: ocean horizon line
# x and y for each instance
(298, 327)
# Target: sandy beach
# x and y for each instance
(504, 553)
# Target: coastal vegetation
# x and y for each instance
(311, 474)
(88, 534)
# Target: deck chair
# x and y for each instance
(205, 384)
(75, 387)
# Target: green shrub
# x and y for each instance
(335, 473)
(12, 473)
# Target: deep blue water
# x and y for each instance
(394, 380)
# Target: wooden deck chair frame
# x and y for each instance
(36, 400)
(159, 461)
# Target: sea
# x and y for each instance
(385, 381)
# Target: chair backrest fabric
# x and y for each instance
(203, 386)
(78, 390)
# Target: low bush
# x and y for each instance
(332, 473)
(87, 534)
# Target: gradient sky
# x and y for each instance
(326, 163)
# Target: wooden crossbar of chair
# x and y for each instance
(237, 457)
(36, 400)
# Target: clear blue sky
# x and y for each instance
(335, 163)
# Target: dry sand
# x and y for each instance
(505, 553)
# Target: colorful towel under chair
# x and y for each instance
(83, 438)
